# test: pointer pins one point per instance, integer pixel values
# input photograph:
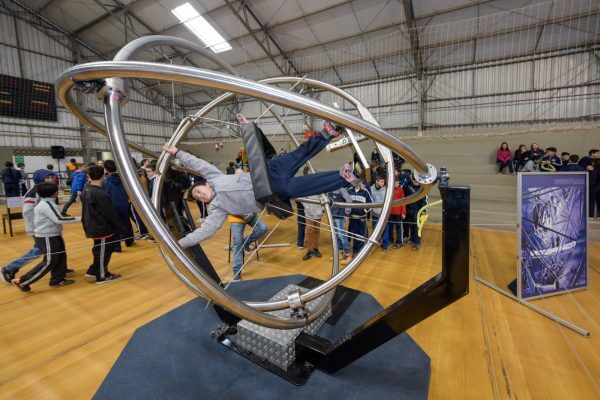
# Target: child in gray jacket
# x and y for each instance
(48, 238)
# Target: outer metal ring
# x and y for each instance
(238, 85)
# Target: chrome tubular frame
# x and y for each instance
(116, 72)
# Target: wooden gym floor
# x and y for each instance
(59, 343)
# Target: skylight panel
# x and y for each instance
(199, 26)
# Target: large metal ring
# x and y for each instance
(225, 82)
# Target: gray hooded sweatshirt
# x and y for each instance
(232, 195)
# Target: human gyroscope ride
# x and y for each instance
(280, 334)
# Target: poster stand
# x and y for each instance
(543, 194)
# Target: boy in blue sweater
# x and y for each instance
(79, 180)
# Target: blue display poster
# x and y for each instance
(553, 254)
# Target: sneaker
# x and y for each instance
(64, 282)
(396, 245)
(330, 129)
(88, 275)
(64, 214)
(346, 259)
(109, 278)
(308, 256)
(346, 172)
(69, 271)
(317, 253)
(118, 250)
(248, 248)
(415, 247)
(6, 276)
(300, 247)
(22, 288)
(236, 278)
(384, 249)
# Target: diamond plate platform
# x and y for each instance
(277, 345)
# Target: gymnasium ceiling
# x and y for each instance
(273, 32)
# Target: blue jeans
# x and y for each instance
(301, 225)
(395, 229)
(359, 228)
(283, 168)
(342, 237)
(237, 234)
(385, 236)
(26, 258)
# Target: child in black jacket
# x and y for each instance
(102, 223)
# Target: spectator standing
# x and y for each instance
(79, 180)
(120, 200)
(237, 226)
(397, 216)
(340, 224)
(7, 274)
(594, 188)
(230, 168)
(588, 161)
(358, 216)
(301, 220)
(151, 174)
(10, 179)
(412, 211)
(398, 161)
(48, 238)
(503, 158)
(378, 191)
(375, 157)
(23, 180)
(314, 213)
(102, 223)
(71, 168)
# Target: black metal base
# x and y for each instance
(175, 357)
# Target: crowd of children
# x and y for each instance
(351, 224)
(106, 219)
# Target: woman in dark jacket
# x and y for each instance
(10, 178)
(520, 157)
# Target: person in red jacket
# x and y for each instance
(397, 215)
(503, 158)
